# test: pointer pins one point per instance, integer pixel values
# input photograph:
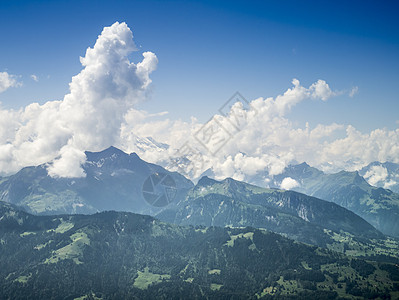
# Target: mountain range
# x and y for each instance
(204, 237)
(295, 215)
(114, 181)
(378, 206)
(115, 255)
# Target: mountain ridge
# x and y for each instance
(378, 206)
(126, 255)
(114, 181)
(297, 216)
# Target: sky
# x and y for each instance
(202, 52)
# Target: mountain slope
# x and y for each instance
(300, 217)
(114, 181)
(378, 206)
(123, 255)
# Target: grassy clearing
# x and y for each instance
(63, 227)
(72, 251)
(248, 235)
(347, 243)
(270, 290)
(23, 279)
(288, 286)
(41, 246)
(215, 286)
(146, 278)
(305, 265)
(27, 233)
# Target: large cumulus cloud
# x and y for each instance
(88, 118)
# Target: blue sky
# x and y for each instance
(207, 50)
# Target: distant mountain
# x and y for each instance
(114, 181)
(295, 215)
(385, 175)
(144, 144)
(121, 255)
(376, 205)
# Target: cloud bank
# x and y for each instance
(88, 118)
(266, 140)
(243, 141)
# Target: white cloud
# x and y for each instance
(88, 118)
(288, 183)
(267, 141)
(34, 77)
(321, 90)
(356, 149)
(7, 81)
(353, 91)
(390, 183)
(376, 174)
(99, 112)
(68, 164)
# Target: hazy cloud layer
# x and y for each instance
(88, 118)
